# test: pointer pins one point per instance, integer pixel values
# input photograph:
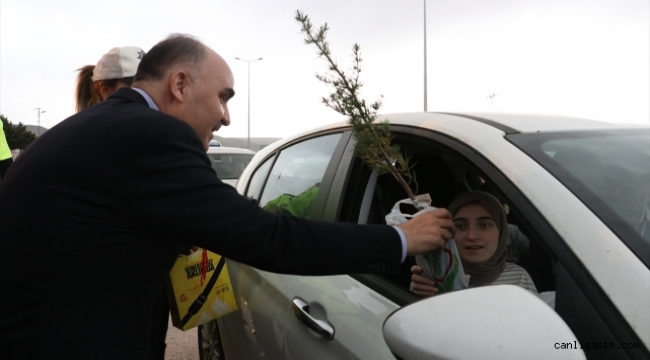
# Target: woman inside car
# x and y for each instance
(481, 236)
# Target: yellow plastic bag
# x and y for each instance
(199, 289)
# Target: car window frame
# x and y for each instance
(328, 176)
(267, 160)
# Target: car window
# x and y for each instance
(608, 170)
(296, 175)
(229, 166)
(257, 180)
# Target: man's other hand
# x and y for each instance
(421, 285)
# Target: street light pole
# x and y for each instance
(425, 55)
(248, 62)
(38, 129)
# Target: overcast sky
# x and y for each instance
(585, 58)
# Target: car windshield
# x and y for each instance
(229, 166)
(608, 170)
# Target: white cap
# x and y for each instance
(118, 63)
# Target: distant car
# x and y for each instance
(214, 143)
(229, 163)
(578, 189)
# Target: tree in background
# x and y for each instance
(18, 137)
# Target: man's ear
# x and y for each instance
(179, 82)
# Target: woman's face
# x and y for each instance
(477, 234)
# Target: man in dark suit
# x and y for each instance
(96, 210)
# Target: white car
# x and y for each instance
(229, 163)
(578, 189)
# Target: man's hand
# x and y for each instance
(427, 231)
(421, 285)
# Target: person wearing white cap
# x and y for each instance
(114, 70)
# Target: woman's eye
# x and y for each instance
(459, 226)
(486, 225)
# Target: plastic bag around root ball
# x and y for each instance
(442, 265)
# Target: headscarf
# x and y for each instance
(487, 272)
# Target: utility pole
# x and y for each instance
(491, 97)
(248, 141)
(425, 55)
(38, 129)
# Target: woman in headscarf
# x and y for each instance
(114, 70)
(481, 236)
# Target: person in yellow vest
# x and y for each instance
(5, 153)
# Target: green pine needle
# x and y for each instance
(374, 140)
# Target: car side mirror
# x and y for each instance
(493, 322)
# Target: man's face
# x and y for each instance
(206, 109)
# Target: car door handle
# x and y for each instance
(321, 327)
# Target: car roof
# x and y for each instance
(228, 150)
(455, 123)
(510, 123)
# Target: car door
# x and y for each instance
(291, 180)
(353, 311)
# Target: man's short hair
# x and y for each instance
(174, 50)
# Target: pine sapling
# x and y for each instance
(374, 140)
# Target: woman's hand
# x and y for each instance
(421, 285)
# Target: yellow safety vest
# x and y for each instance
(5, 152)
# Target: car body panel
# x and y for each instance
(355, 312)
(264, 300)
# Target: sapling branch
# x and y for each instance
(373, 139)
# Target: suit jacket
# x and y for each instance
(94, 213)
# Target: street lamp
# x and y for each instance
(491, 97)
(248, 141)
(425, 55)
(38, 129)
